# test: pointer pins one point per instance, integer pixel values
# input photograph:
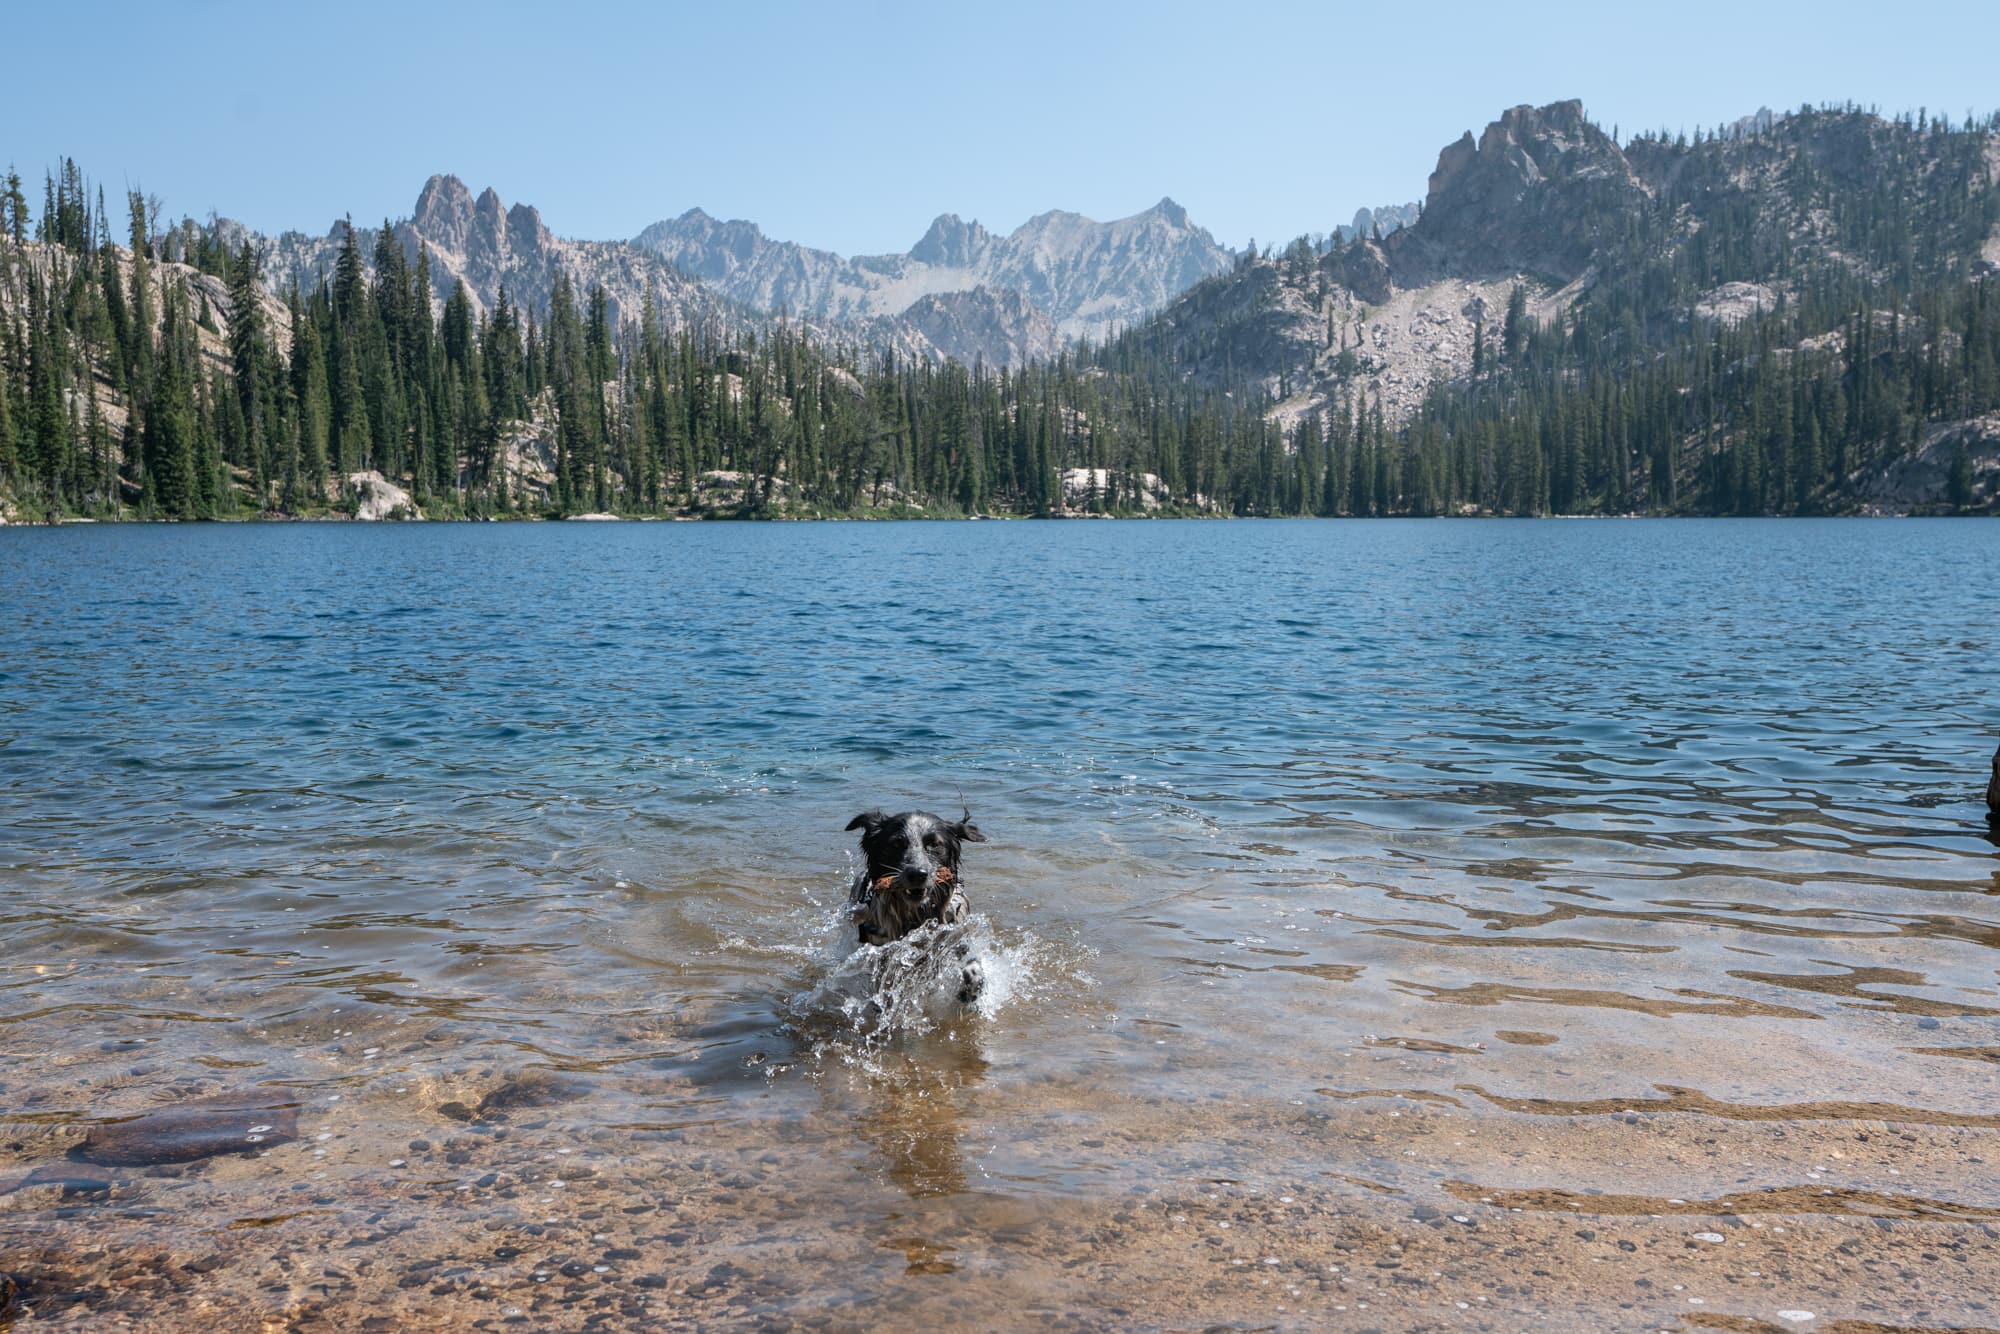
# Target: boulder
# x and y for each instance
(375, 497)
(1365, 272)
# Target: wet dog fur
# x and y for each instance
(911, 879)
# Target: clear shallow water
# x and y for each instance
(1382, 869)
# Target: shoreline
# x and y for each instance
(81, 521)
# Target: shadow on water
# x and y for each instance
(906, 1108)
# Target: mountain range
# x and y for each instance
(1088, 277)
(961, 292)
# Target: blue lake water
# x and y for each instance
(1316, 849)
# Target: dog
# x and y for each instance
(1993, 794)
(911, 880)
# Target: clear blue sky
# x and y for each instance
(850, 126)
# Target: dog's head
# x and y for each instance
(913, 851)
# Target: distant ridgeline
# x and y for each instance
(1795, 314)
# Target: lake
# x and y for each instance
(1407, 924)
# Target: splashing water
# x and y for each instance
(873, 994)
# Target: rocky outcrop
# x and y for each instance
(1088, 277)
(1732, 303)
(372, 497)
(1384, 220)
(1090, 490)
(995, 328)
(1544, 201)
(1364, 271)
(1922, 481)
(1535, 195)
(1364, 321)
(952, 244)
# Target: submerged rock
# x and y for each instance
(183, 1132)
(84, 1180)
(532, 1088)
(522, 1089)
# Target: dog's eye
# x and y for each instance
(931, 840)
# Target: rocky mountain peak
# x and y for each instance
(1169, 212)
(952, 242)
(443, 215)
(1528, 195)
(1454, 160)
(525, 232)
(999, 327)
(1531, 122)
(488, 205)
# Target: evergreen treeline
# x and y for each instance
(155, 377)
(465, 407)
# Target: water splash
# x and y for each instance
(871, 995)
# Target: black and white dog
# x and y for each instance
(911, 880)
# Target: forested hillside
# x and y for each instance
(1797, 316)
(1793, 315)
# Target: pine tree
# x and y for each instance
(8, 447)
(14, 208)
(350, 442)
(49, 434)
(246, 344)
(168, 444)
(315, 409)
(1514, 332)
(139, 352)
(350, 287)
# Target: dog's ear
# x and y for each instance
(967, 831)
(869, 820)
